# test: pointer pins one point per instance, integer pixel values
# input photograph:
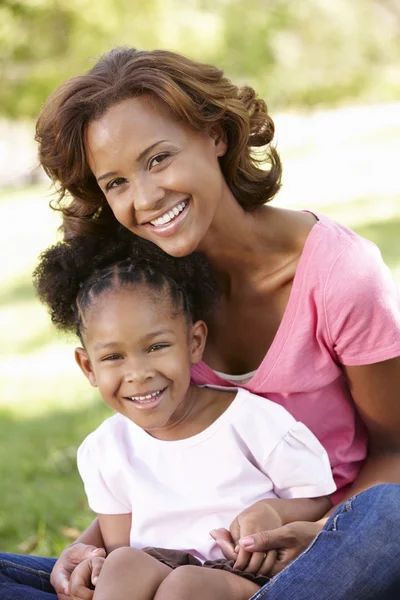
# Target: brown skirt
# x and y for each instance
(178, 558)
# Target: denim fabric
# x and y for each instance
(355, 557)
(25, 577)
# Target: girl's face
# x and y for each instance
(161, 178)
(138, 352)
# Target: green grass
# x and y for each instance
(46, 406)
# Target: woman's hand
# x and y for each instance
(69, 559)
(289, 541)
(84, 578)
(259, 517)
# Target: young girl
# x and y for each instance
(176, 461)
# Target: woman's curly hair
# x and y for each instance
(71, 274)
(197, 94)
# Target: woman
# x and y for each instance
(309, 315)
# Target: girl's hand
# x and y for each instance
(289, 541)
(69, 559)
(84, 578)
(258, 517)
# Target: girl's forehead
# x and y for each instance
(137, 303)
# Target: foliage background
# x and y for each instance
(330, 72)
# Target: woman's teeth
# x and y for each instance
(147, 398)
(168, 216)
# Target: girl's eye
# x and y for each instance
(112, 357)
(156, 160)
(115, 183)
(156, 347)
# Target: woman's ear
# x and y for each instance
(198, 337)
(82, 358)
(217, 133)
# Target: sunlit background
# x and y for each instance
(330, 73)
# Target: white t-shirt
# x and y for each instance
(178, 491)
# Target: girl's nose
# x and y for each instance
(137, 374)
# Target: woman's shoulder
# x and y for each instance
(335, 254)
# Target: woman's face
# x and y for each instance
(161, 178)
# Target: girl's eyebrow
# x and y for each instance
(139, 158)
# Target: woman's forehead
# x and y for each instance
(135, 123)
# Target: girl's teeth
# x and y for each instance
(148, 397)
(168, 216)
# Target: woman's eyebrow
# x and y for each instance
(139, 158)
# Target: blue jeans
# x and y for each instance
(25, 577)
(355, 557)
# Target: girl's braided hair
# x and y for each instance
(70, 275)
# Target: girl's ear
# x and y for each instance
(218, 134)
(85, 365)
(198, 337)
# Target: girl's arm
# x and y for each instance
(91, 536)
(115, 530)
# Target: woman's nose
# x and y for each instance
(146, 194)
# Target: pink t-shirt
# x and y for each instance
(344, 309)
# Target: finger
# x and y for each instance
(225, 542)
(59, 579)
(265, 540)
(91, 551)
(268, 563)
(80, 582)
(255, 562)
(97, 565)
(282, 560)
(242, 560)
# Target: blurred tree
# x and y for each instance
(295, 53)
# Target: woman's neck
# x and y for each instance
(245, 246)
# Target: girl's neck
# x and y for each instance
(206, 406)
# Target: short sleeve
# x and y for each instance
(100, 497)
(362, 306)
(299, 466)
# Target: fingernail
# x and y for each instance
(94, 551)
(237, 549)
(95, 580)
(212, 535)
(246, 541)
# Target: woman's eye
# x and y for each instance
(156, 160)
(115, 183)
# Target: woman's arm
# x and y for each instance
(376, 393)
(299, 509)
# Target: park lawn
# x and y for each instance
(46, 406)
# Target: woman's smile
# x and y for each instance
(162, 179)
(170, 221)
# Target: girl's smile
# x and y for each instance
(138, 352)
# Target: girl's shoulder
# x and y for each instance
(112, 431)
